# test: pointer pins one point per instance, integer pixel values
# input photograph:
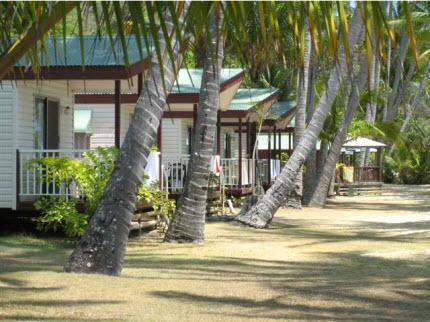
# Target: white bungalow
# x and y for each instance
(66, 109)
(37, 111)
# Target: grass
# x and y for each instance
(361, 259)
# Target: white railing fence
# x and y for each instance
(173, 169)
(30, 182)
(175, 172)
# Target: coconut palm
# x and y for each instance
(189, 220)
(319, 195)
(294, 197)
(102, 248)
(262, 213)
(23, 25)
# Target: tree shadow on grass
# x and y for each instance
(344, 287)
(419, 206)
(35, 317)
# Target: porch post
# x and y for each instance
(18, 178)
(379, 159)
(240, 153)
(275, 148)
(290, 143)
(159, 146)
(218, 133)
(248, 134)
(139, 83)
(117, 112)
(279, 143)
(269, 157)
(194, 116)
(248, 151)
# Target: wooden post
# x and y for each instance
(218, 133)
(269, 156)
(248, 149)
(194, 116)
(117, 112)
(240, 153)
(248, 134)
(139, 83)
(279, 143)
(159, 146)
(290, 143)
(18, 178)
(380, 156)
(275, 151)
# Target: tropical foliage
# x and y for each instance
(87, 176)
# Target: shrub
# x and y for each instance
(90, 174)
(61, 213)
(162, 205)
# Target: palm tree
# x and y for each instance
(319, 195)
(262, 213)
(102, 248)
(24, 24)
(294, 197)
(311, 175)
(189, 221)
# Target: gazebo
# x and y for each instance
(361, 160)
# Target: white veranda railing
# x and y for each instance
(30, 175)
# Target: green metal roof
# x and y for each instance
(98, 52)
(189, 80)
(82, 121)
(279, 109)
(247, 98)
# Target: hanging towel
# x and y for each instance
(275, 168)
(152, 169)
(215, 166)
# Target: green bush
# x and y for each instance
(90, 174)
(162, 205)
(60, 213)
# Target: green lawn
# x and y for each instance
(361, 259)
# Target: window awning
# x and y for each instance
(82, 121)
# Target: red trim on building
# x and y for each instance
(78, 73)
(178, 98)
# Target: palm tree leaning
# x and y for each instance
(319, 195)
(294, 197)
(262, 213)
(102, 249)
(188, 223)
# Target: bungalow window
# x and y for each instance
(46, 124)
(82, 141)
(227, 145)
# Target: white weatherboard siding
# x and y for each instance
(172, 142)
(24, 107)
(27, 91)
(234, 138)
(103, 123)
(7, 151)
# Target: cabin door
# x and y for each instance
(52, 125)
(46, 127)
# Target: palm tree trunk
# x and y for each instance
(413, 105)
(102, 248)
(188, 224)
(391, 111)
(319, 197)
(388, 69)
(374, 76)
(262, 213)
(294, 197)
(322, 157)
(311, 176)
